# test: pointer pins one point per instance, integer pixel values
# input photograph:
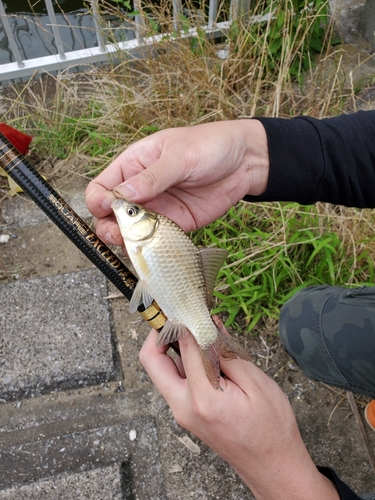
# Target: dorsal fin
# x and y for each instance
(212, 260)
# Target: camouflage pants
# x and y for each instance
(330, 333)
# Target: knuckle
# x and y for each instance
(101, 226)
(149, 178)
(201, 409)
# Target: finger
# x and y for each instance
(99, 194)
(161, 368)
(108, 231)
(245, 375)
(150, 182)
(98, 199)
(174, 204)
(193, 364)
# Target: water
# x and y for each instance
(38, 6)
(33, 34)
(30, 25)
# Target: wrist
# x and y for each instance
(285, 471)
(291, 480)
(297, 484)
(256, 155)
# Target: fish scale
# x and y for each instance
(177, 264)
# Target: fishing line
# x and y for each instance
(74, 227)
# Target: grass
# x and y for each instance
(275, 249)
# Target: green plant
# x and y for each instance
(291, 34)
(277, 249)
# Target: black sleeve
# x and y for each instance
(345, 493)
(330, 160)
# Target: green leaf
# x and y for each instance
(275, 46)
(280, 18)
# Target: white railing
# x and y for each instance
(103, 51)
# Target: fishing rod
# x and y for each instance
(75, 228)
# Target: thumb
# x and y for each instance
(151, 181)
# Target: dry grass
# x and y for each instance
(183, 82)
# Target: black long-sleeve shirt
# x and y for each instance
(330, 160)
(345, 493)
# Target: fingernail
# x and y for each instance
(107, 201)
(127, 190)
(108, 238)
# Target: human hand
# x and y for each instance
(192, 175)
(250, 423)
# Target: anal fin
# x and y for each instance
(227, 346)
(230, 349)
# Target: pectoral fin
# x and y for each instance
(141, 295)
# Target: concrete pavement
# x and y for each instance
(79, 417)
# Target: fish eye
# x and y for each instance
(132, 211)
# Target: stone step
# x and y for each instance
(105, 483)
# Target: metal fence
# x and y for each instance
(60, 58)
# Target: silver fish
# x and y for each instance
(180, 278)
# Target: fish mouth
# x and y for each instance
(118, 203)
(118, 195)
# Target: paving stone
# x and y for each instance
(98, 484)
(21, 212)
(78, 430)
(82, 451)
(55, 332)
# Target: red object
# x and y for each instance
(370, 414)
(19, 140)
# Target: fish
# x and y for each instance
(180, 277)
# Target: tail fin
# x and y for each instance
(211, 361)
(227, 348)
